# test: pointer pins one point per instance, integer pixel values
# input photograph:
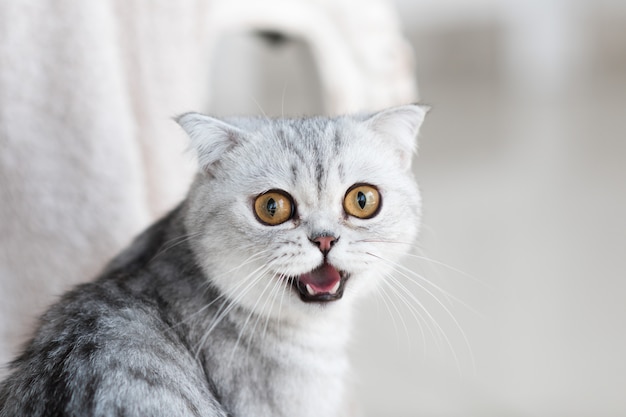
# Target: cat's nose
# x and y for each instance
(325, 242)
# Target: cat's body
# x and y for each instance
(223, 308)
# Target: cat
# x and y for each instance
(239, 301)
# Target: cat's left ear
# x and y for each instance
(210, 137)
(400, 126)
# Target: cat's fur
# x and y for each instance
(198, 317)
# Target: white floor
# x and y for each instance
(525, 193)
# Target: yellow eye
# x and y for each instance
(273, 207)
(362, 201)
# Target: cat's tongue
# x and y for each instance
(323, 280)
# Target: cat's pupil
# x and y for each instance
(361, 200)
(271, 207)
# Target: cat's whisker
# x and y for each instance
(451, 268)
(419, 318)
(229, 304)
(238, 291)
(206, 285)
(253, 312)
(423, 257)
(399, 315)
(172, 243)
(285, 288)
(385, 297)
(258, 105)
(449, 296)
(247, 261)
(276, 289)
(400, 270)
(260, 313)
(220, 297)
(438, 333)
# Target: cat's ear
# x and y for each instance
(400, 126)
(210, 137)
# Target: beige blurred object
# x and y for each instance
(89, 153)
(363, 61)
(87, 91)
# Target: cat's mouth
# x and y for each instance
(322, 284)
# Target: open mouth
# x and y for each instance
(322, 284)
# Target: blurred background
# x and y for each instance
(519, 308)
(522, 165)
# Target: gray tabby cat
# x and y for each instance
(238, 302)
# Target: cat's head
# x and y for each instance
(289, 215)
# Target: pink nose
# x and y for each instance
(325, 242)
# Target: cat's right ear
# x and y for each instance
(399, 126)
(210, 137)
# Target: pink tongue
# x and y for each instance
(322, 279)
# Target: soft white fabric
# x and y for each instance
(89, 154)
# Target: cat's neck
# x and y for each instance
(325, 327)
(299, 367)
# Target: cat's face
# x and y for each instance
(290, 215)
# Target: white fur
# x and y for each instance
(400, 125)
(376, 152)
(234, 248)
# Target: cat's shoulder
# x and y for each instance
(102, 347)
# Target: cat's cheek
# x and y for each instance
(362, 285)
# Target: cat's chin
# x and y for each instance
(321, 285)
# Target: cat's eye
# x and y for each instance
(362, 201)
(274, 207)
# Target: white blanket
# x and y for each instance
(89, 154)
(88, 151)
